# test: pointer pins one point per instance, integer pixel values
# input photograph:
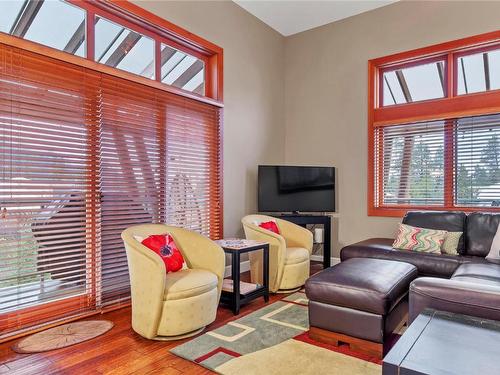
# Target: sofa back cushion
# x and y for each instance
(481, 228)
(451, 221)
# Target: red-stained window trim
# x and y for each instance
(449, 107)
(144, 22)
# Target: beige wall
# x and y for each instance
(253, 93)
(326, 92)
(302, 99)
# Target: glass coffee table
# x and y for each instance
(235, 292)
(443, 343)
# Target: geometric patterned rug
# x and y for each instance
(273, 340)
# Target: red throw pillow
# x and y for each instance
(270, 225)
(164, 246)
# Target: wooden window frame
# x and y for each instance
(144, 22)
(450, 107)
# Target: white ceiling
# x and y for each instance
(289, 17)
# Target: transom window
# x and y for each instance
(414, 83)
(63, 25)
(435, 128)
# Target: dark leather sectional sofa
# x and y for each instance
(466, 283)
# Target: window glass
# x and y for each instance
(478, 72)
(8, 15)
(477, 175)
(56, 24)
(412, 164)
(182, 70)
(122, 48)
(413, 84)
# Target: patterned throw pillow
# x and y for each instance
(165, 247)
(450, 245)
(419, 239)
(270, 225)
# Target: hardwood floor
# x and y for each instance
(119, 351)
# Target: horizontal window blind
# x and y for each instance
(452, 163)
(477, 172)
(45, 200)
(193, 166)
(131, 164)
(410, 170)
(84, 155)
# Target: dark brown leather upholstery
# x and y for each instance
(463, 295)
(480, 230)
(363, 298)
(381, 248)
(371, 285)
(451, 221)
(481, 271)
(474, 287)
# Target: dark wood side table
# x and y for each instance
(443, 343)
(237, 293)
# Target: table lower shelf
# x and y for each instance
(248, 292)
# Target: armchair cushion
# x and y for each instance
(164, 245)
(296, 255)
(189, 283)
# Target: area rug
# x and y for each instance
(273, 340)
(63, 336)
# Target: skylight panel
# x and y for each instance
(413, 84)
(494, 64)
(172, 63)
(424, 82)
(105, 33)
(139, 57)
(478, 70)
(10, 10)
(392, 88)
(179, 69)
(196, 81)
(471, 73)
(55, 23)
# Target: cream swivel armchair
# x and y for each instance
(289, 253)
(179, 304)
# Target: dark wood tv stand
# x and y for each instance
(325, 220)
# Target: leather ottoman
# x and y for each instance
(359, 302)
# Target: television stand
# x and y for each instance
(325, 220)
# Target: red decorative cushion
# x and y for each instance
(270, 225)
(164, 246)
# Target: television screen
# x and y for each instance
(296, 189)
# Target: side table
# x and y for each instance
(234, 292)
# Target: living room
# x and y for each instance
(150, 217)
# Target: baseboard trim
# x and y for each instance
(319, 258)
(244, 267)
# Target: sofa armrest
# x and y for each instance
(454, 296)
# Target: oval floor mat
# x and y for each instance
(63, 336)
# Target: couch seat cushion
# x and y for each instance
(439, 265)
(296, 255)
(480, 271)
(189, 283)
(371, 285)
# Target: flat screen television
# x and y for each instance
(296, 189)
